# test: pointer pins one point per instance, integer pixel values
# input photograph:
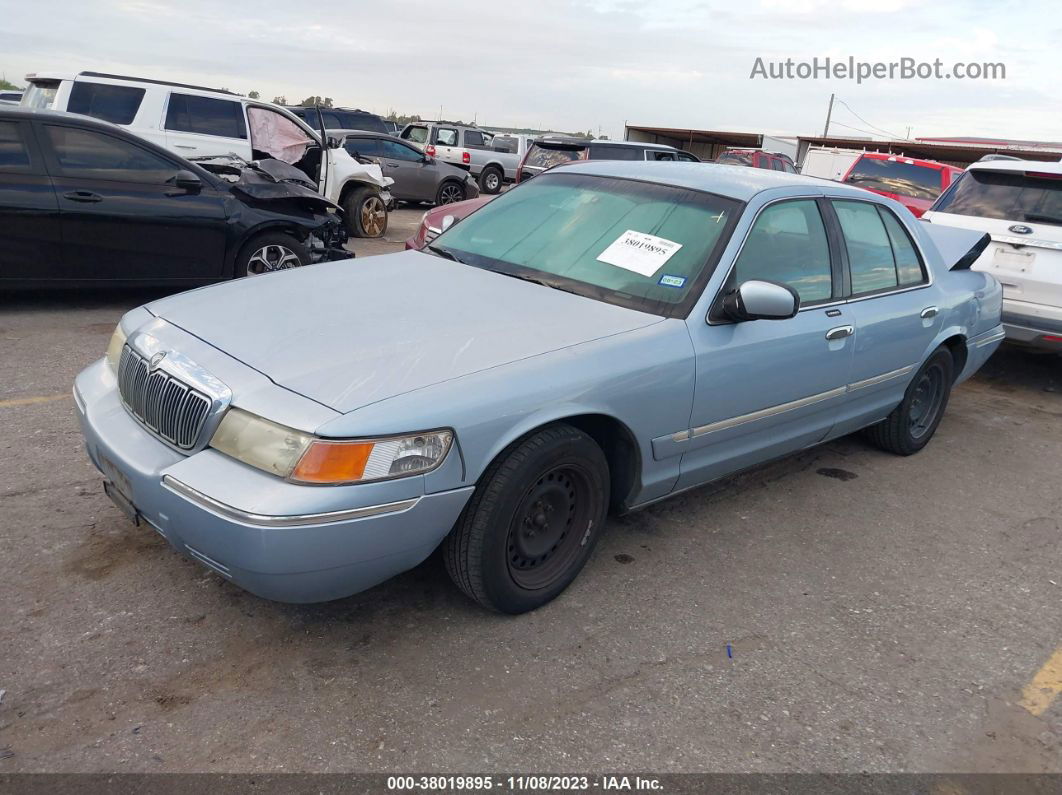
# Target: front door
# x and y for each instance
(769, 387)
(121, 215)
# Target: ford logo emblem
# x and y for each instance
(1020, 229)
(156, 360)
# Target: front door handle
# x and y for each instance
(929, 311)
(82, 196)
(840, 332)
(184, 146)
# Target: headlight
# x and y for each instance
(114, 347)
(303, 458)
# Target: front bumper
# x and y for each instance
(276, 539)
(1035, 325)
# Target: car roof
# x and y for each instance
(1042, 166)
(335, 133)
(737, 182)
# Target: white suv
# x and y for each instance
(197, 122)
(1019, 204)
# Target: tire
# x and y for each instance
(532, 522)
(268, 252)
(912, 424)
(491, 180)
(366, 215)
(449, 192)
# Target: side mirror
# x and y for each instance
(428, 160)
(187, 180)
(759, 300)
(333, 142)
(447, 222)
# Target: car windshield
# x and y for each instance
(544, 156)
(642, 245)
(1005, 196)
(735, 159)
(894, 176)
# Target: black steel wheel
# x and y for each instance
(912, 424)
(532, 521)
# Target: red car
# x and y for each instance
(431, 222)
(757, 158)
(913, 183)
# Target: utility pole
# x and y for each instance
(908, 133)
(829, 112)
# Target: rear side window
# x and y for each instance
(366, 147)
(608, 152)
(446, 136)
(116, 104)
(92, 155)
(895, 176)
(686, 157)
(541, 156)
(881, 255)
(1006, 196)
(788, 244)
(13, 153)
(206, 116)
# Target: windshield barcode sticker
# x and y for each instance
(639, 252)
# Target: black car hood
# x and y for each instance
(267, 180)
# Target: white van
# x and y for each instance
(1019, 204)
(197, 122)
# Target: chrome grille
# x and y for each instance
(168, 407)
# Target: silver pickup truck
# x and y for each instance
(492, 159)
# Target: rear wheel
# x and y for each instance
(491, 179)
(912, 424)
(366, 213)
(532, 522)
(450, 192)
(273, 251)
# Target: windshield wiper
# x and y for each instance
(445, 253)
(1046, 219)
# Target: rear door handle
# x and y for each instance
(82, 196)
(929, 311)
(840, 332)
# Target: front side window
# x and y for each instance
(206, 116)
(13, 154)
(446, 136)
(116, 104)
(646, 246)
(92, 155)
(363, 147)
(686, 157)
(657, 154)
(870, 258)
(397, 151)
(1005, 196)
(788, 244)
(895, 176)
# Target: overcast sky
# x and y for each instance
(574, 64)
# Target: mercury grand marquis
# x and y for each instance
(603, 336)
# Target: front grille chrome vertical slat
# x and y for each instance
(164, 404)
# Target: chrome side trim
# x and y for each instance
(996, 337)
(297, 520)
(880, 379)
(722, 425)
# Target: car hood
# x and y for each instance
(353, 332)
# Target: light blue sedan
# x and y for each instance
(601, 337)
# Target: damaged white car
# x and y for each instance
(197, 122)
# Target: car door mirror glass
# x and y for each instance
(760, 300)
(447, 222)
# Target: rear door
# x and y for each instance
(198, 126)
(29, 212)
(122, 217)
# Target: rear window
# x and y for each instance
(356, 120)
(206, 116)
(40, 94)
(1006, 196)
(418, 135)
(895, 176)
(116, 104)
(735, 159)
(544, 156)
(502, 144)
(610, 152)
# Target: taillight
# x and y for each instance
(466, 158)
(429, 150)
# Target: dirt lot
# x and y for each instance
(882, 614)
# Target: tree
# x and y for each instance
(281, 100)
(7, 85)
(324, 102)
(253, 95)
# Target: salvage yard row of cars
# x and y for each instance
(624, 324)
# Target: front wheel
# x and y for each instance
(532, 522)
(273, 251)
(366, 214)
(912, 424)
(450, 192)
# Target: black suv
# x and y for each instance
(548, 152)
(84, 202)
(341, 119)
